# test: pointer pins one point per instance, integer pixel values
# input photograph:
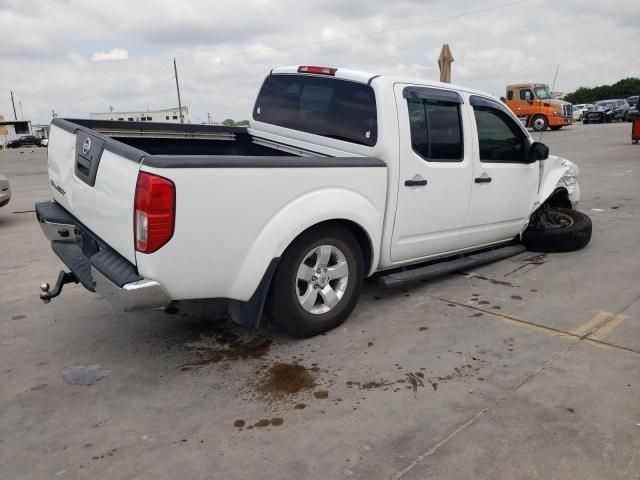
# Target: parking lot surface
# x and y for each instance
(523, 369)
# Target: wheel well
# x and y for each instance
(559, 198)
(361, 235)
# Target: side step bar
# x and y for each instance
(435, 270)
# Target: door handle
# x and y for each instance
(483, 179)
(415, 183)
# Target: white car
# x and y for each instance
(5, 191)
(580, 109)
(340, 175)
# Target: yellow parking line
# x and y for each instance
(600, 318)
(608, 327)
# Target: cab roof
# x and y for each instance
(371, 78)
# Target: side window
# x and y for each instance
(523, 94)
(499, 138)
(510, 95)
(436, 131)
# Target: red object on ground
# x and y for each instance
(635, 130)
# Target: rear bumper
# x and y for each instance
(96, 265)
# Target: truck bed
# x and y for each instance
(239, 203)
(174, 138)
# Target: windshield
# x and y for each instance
(543, 93)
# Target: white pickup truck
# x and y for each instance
(340, 175)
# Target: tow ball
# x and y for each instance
(63, 278)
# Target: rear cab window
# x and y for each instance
(327, 106)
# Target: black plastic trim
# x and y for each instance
(232, 161)
(113, 146)
(72, 256)
(115, 267)
(90, 251)
(429, 93)
(372, 79)
(249, 313)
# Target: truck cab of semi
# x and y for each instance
(536, 108)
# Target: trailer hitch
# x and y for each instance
(63, 278)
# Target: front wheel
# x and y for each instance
(558, 229)
(539, 123)
(318, 281)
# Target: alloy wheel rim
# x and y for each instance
(321, 279)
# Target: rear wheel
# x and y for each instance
(539, 123)
(318, 281)
(558, 229)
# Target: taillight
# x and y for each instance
(155, 210)
(318, 70)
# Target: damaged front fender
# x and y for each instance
(557, 172)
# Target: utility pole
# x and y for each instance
(15, 115)
(175, 69)
(21, 114)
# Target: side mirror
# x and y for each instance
(538, 152)
(527, 96)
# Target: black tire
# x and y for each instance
(556, 127)
(539, 123)
(560, 239)
(283, 305)
(585, 121)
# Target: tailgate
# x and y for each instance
(94, 178)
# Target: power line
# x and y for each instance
(360, 35)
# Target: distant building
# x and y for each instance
(168, 115)
(41, 131)
(10, 129)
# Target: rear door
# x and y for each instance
(504, 186)
(94, 178)
(435, 172)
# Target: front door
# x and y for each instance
(524, 102)
(435, 172)
(505, 186)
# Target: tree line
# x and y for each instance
(621, 89)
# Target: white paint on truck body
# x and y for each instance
(230, 222)
(107, 207)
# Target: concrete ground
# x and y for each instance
(527, 368)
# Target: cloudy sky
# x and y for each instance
(82, 56)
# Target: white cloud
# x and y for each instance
(115, 54)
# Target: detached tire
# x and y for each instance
(318, 281)
(572, 232)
